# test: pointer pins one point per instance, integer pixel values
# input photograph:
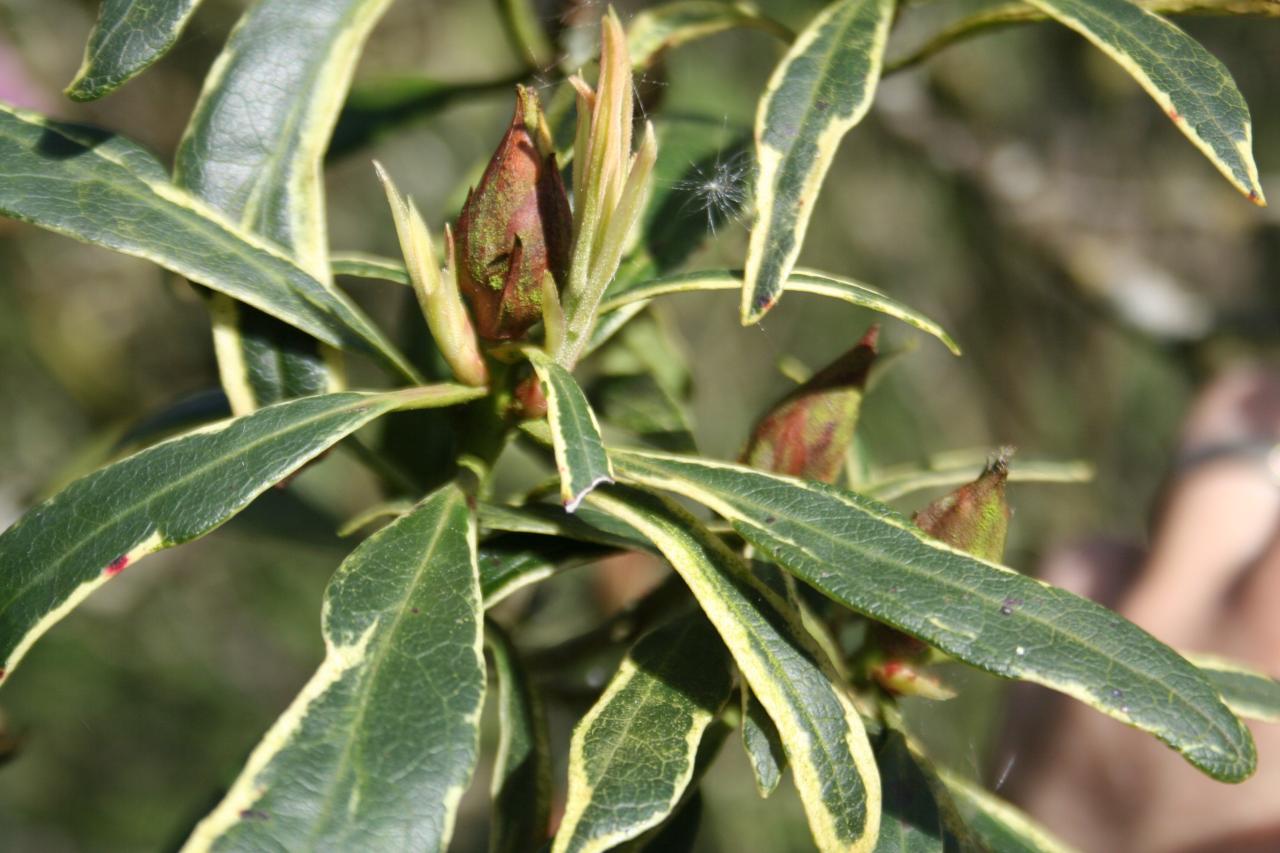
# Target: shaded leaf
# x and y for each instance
(168, 494)
(914, 821)
(819, 727)
(822, 88)
(1246, 691)
(1193, 88)
(762, 743)
(995, 822)
(865, 556)
(377, 749)
(126, 40)
(521, 785)
(636, 402)
(660, 28)
(633, 754)
(105, 192)
(511, 562)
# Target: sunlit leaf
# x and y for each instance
(822, 88)
(171, 493)
(94, 187)
(816, 283)
(865, 556)
(1188, 82)
(580, 455)
(633, 754)
(377, 749)
(820, 729)
(254, 150)
(126, 40)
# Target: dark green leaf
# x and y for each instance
(377, 749)
(580, 456)
(633, 753)
(128, 37)
(820, 729)
(254, 149)
(168, 494)
(821, 89)
(521, 784)
(102, 191)
(913, 821)
(763, 745)
(865, 556)
(1188, 82)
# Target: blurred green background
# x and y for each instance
(1019, 188)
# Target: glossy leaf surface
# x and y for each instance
(865, 556)
(254, 149)
(580, 455)
(822, 88)
(98, 188)
(377, 749)
(820, 729)
(633, 754)
(1188, 82)
(168, 494)
(126, 40)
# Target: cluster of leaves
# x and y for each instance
(378, 748)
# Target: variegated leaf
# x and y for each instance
(377, 749)
(1188, 82)
(254, 149)
(126, 40)
(865, 556)
(170, 493)
(820, 729)
(580, 455)
(97, 187)
(822, 88)
(633, 754)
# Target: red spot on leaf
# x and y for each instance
(116, 566)
(2, 673)
(1174, 115)
(892, 668)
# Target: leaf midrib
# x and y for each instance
(175, 484)
(1051, 629)
(377, 660)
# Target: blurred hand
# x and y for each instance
(1210, 584)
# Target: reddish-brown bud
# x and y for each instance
(514, 228)
(809, 431)
(975, 517)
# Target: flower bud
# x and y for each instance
(514, 229)
(809, 431)
(975, 517)
(905, 679)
